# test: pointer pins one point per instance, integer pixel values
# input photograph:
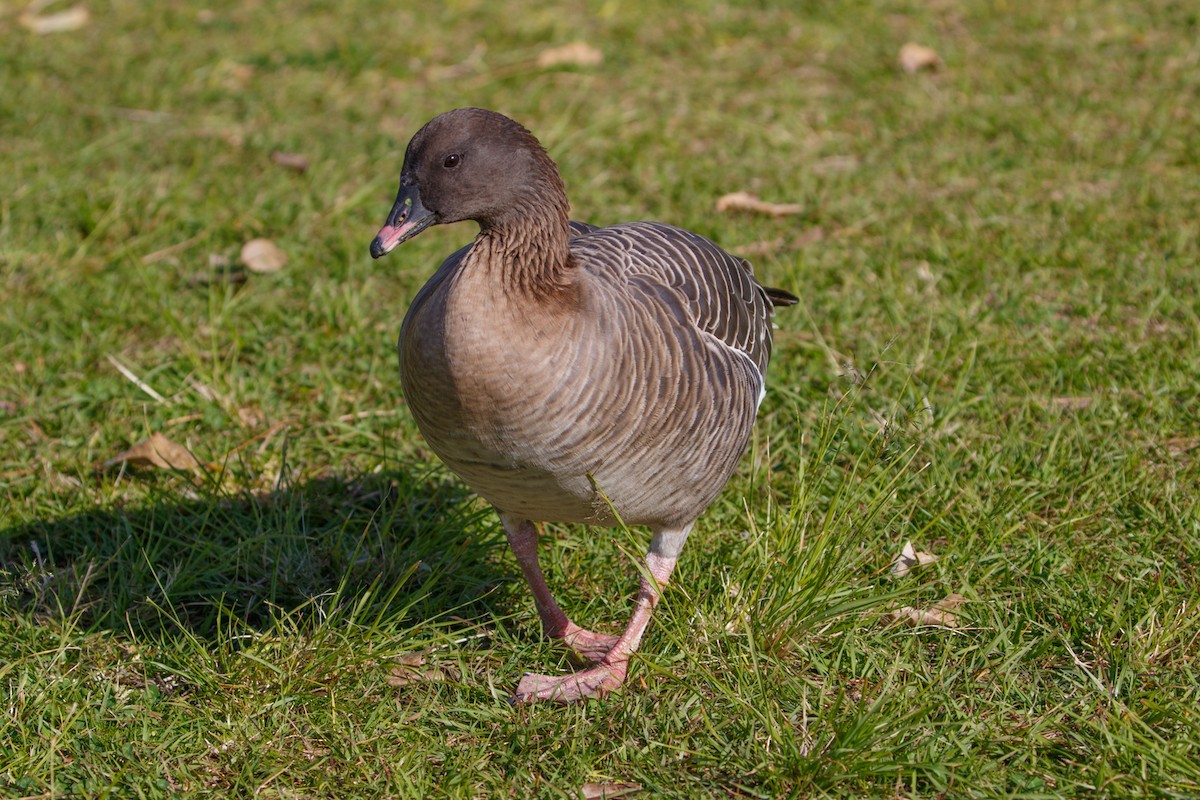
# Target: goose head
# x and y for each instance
(473, 164)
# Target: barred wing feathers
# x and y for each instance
(719, 291)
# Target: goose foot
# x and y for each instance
(595, 681)
(610, 654)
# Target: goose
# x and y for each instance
(572, 373)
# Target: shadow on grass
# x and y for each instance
(416, 544)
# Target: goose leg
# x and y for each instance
(523, 540)
(610, 671)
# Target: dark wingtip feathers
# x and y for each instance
(780, 297)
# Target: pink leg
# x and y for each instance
(523, 539)
(611, 670)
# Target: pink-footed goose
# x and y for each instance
(566, 371)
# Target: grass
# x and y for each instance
(995, 357)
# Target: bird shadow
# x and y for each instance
(185, 556)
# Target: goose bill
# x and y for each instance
(408, 217)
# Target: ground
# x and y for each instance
(995, 357)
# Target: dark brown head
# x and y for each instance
(471, 163)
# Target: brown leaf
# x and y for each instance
(916, 57)
(1071, 403)
(263, 255)
(1179, 445)
(157, 451)
(950, 601)
(293, 161)
(939, 616)
(578, 54)
(411, 660)
(909, 558)
(71, 19)
(410, 668)
(744, 201)
(608, 791)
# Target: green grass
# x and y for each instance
(995, 356)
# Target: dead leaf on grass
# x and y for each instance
(1179, 445)
(410, 668)
(158, 452)
(1072, 403)
(915, 57)
(744, 201)
(608, 790)
(263, 255)
(577, 54)
(292, 161)
(909, 558)
(70, 19)
(939, 616)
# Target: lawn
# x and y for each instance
(996, 357)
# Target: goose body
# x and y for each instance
(565, 371)
(616, 391)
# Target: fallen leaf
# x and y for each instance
(917, 618)
(909, 558)
(916, 57)
(1179, 445)
(578, 54)
(411, 668)
(1071, 403)
(744, 201)
(71, 19)
(939, 616)
(952, 600)
(293, 161)
(411, 660)
(608, 791)
(157, 451)
(263, 255)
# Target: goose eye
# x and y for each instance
(452, 161)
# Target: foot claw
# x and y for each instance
(596, 681)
